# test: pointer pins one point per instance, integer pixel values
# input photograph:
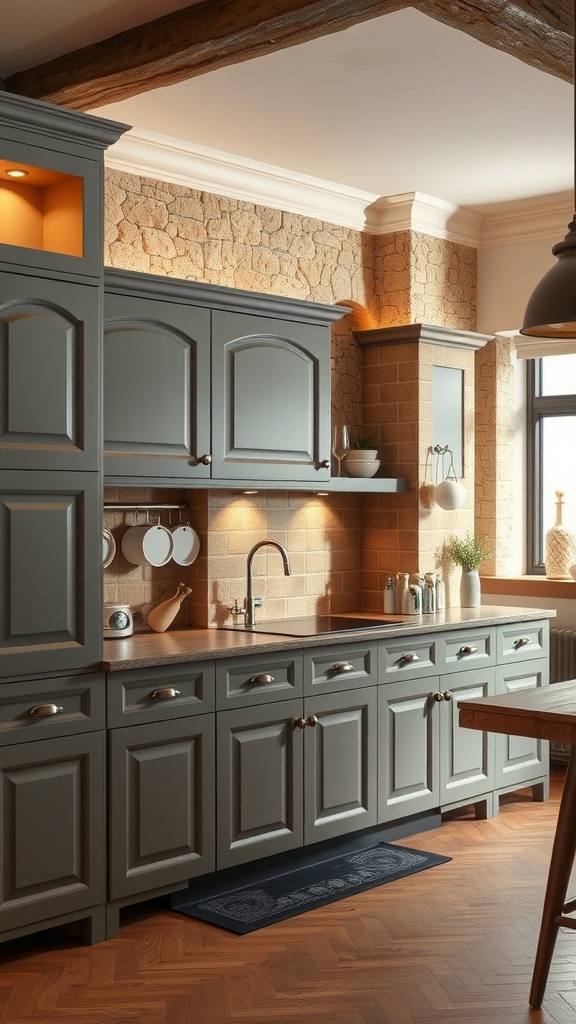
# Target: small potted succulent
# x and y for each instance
(362, 456)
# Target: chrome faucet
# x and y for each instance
(251, 603)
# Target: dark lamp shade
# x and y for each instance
(551, 310)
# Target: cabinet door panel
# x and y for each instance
(259, 782)
(52, 796)
(271, 392)
(156, 388)
(340, 764)
(50, 608)
(161, 804)
(466, 755)
(520, 758)
(49, 375)
(408, 737)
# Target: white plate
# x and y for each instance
(186, 545)
(108, 547)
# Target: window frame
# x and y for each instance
(538, 408)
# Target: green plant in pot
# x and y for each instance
(362, 456)
(468, 552)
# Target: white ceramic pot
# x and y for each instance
(147, 545)
(362, 462)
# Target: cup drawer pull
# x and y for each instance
(45, 710)
(262, 679)
(522, 641)
(468, 649)
(164, 693)
(408, 659)
(342, 666)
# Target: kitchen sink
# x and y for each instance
(315, 625)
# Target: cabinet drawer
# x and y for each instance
(63, 706)
(155, 695)
(409, 657)
(258, 680)
(523, 641)
(465, 649)
(340, 667)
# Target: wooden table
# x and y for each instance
(547, 713)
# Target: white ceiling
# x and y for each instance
(394, 105)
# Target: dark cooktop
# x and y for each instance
(313, 625)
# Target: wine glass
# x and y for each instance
(340, 444)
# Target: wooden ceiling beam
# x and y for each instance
(212, 34)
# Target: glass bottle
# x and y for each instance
(440, 593)
(390, 596)
(430, 593)
(402, 592)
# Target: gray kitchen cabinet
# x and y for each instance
(208, 383)
(49, 370)
(426, 760)
(51, 234)
(408, 748)
(161, 781)
(156, 383)
(52, 768)
(161, 804)
(519, 759)
(294, 772)
(50, 588)
(271, 398)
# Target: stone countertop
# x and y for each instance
(148, 650)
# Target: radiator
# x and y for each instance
(562, 666)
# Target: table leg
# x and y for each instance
(563, 851)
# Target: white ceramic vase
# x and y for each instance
(470, 589)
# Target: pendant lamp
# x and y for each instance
(551, 310)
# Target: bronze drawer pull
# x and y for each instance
(45, 710)
(312, 720)
(522, 641)
(263, 679)
(342, 666)
(300, 722)
(468, 649)
(165, 693)
(407, 659)
(447, 695)
(438, 697)
(205, 459)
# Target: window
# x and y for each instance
(551, 449)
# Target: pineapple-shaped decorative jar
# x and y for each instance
(560, 545)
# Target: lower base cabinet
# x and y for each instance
(426, 760)
(161, 804)
(520, 759)
(53, 817)
(295, 772)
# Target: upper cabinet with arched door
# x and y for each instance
(203, 384)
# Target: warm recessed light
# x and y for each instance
(16, 172)
(249, 492)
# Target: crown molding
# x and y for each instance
(151, 155)
(539, 218)
(210, 170)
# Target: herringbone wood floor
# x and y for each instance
(453, 944)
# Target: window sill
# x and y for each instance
(528, 586)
